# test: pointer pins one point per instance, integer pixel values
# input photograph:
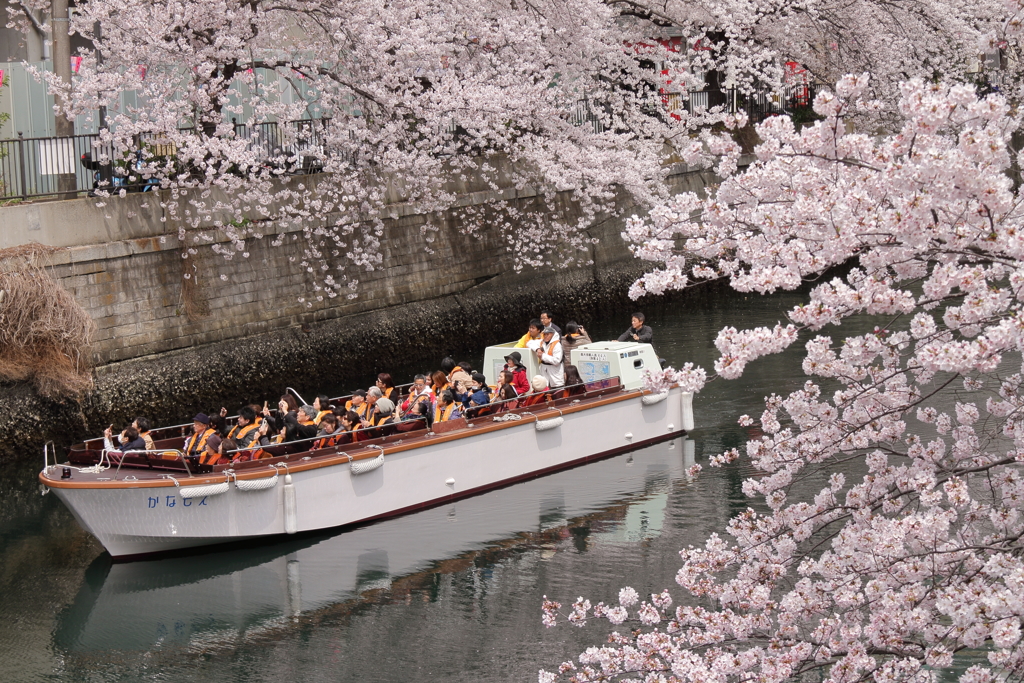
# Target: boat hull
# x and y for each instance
(144, 517)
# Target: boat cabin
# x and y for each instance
(597, 361)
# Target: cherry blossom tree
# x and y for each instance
(897, 574)
(411, 102)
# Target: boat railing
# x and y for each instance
(162, 452)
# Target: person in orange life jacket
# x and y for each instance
(219, 424)
(322, 406)
(328, 425)
(457, 374)
(303, 427)
(575, 336)
(532, 338)
(447, 409)
(507, 395)
(211, 452)
(245, 431)
(545, 320)
(358, 403)
(439, 384)
(514, 364)
(201, 432)
(373, 394)
(129, 440)
(350, 422)
(538, 393)
(386, 386)
(549, 356)
(418, 393)
(382, 408)
(637, 331)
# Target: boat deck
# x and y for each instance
(90, 467)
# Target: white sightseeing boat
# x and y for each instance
(150, 502)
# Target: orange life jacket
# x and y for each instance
(443, 415)
(320, 416)
(196, 444)
(243, 435)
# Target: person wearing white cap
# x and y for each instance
(549, 356)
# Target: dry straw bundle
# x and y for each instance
(44, 332)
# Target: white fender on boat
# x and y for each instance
(290, 517)
(651, 399)
(364, 466)
(203, 491)
(544, 425)
(687, 410)
(256, 484)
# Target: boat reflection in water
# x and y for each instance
(200, 600)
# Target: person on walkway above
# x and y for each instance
(532, 339)
(195, 444)
(514, 364)
(549, 356)
(574, 337)
(638, 332)
(545, 320)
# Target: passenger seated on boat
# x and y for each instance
(446, 409)
(507, 397)
(128, 440)
(211, 454)
(287, 407)
(573, 382)
(419, 392)
(195, 444)
(418, 417)
(459, 376)
(439, 384)
(328, 425)
(245, 431)
(142, 424)
(229, 453)
(514, 364)
(539, 394)
(322, 406)
(219, 424)
(350, 422)
(476, 394)
(386, 385)
(382, 421)
(357, 403)
(531, 340)
(303, 427)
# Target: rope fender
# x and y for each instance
(364, 466)
(651, 399)
(202, 491)
(544, 425)
(256, 484)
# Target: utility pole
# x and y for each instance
(65, 128)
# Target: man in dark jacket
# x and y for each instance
(638, 332)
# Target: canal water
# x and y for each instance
(447, 594)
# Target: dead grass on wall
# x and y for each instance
(44, 332)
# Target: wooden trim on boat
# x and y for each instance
(317, 462)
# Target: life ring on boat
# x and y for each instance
(203, 491)
(651, 399)
(256, 484)
(545, 425)
(364, 466)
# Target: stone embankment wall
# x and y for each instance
(256, 335)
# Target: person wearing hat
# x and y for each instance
(212, 452)
(357, 403)
(549, 356)
(514, 364)
(195, 445)
(383, 416)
